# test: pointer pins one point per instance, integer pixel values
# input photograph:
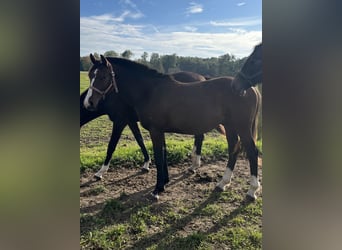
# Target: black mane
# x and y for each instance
(137, 67)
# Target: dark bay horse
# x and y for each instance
(123, 115)
(250, 73)
(163, 104)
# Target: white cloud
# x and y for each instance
(100, 34)
(136, 13)
(190, 28)
(237, 22)
(130, 3)
(240, 4)
(110, 18)
(237, 30)
(194, 8)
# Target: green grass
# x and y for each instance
(119, 224)
(84, 79)
(128, 153)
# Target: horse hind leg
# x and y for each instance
(158, 142)
(138, 137)
(196, 153)
(252, 154)
(233, 151)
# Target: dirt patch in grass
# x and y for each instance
(118, 212)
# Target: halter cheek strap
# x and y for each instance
(248, 78)
(112, 84)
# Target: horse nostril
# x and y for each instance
(91, 104)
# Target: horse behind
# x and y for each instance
(166, 105)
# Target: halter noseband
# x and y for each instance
(112, 84)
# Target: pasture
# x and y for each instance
(118, 213)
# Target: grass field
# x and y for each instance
(189, 215)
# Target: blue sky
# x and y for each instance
(203, 28)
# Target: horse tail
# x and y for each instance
(256, 117)
(221, 129)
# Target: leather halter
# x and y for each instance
(111, 84)
(249, 78)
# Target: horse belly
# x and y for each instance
(193, 120)
(188, 112)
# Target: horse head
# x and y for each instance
(250, 73)
(102, 81)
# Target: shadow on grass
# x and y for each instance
(119, 210)
(192, 241)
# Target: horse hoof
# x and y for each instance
(218, 189)
(192, 170)
(250, 198)
(98, 178)
(145, 170)
(155, 195)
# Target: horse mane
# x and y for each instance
(137, 67)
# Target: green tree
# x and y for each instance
(169, 62)
(155, 62)
(127, 54)
(143, 59)
(97, 56)
(85, 63)
(111, 53)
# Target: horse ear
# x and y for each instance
(104, 61)
(92, 58)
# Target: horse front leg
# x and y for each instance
(116, 133)
(158, 141)
(196, 153)
(165, 170)
(138, 137)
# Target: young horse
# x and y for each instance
(250, 73)
(165, 105)
(122, 115)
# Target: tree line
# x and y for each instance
(225, 65)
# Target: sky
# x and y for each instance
(203, 28)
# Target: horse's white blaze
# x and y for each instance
(254, 187)
(90, 91)
(225, 182)
(103, 170)
(146, 165)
